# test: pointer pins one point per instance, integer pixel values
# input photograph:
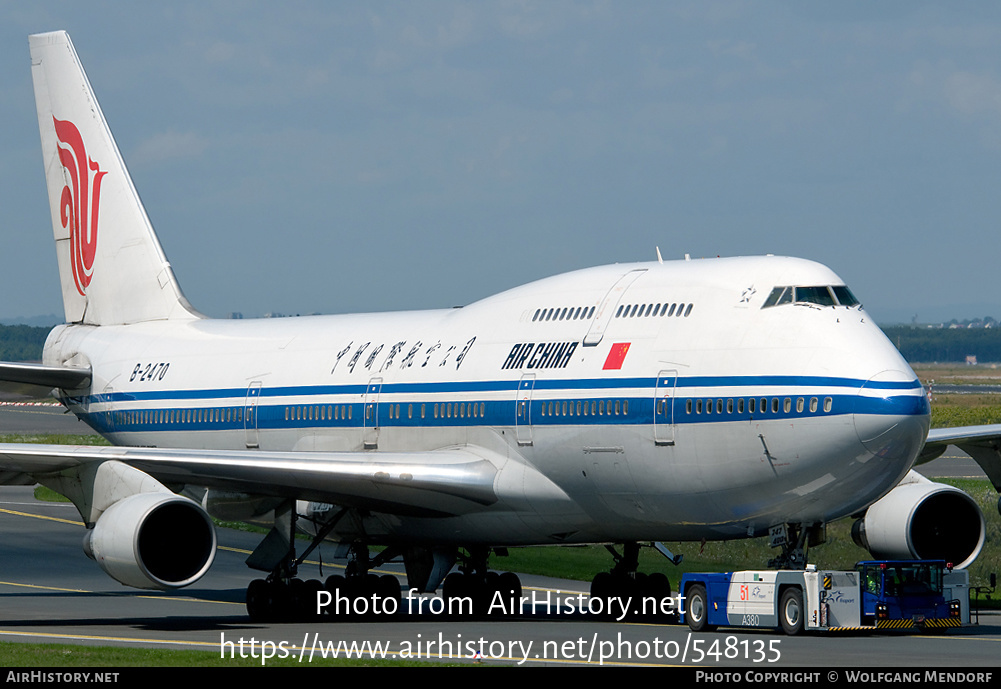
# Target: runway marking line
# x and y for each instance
(41, 516)
(89, 637)
(118, 595)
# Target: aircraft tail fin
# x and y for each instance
(111, 266)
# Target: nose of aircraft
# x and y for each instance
(891, 418)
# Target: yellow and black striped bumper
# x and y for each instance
(928, 623)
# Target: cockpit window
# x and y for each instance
(779, 295)
(815, 295)
(845, 296)
(821, 295)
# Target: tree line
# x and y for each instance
(926, 345)
(22, 342)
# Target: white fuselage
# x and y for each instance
(626, 402)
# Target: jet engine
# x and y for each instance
(920, 519)
(155, 540)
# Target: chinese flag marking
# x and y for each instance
(616, 356)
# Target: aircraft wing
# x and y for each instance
(983, 443)
(439, 483)
(38, 379)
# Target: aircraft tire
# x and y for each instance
(658, 587)
(389, 588)
(259, 600)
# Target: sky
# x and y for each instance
(337, 157)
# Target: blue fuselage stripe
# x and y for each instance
(342, 407)
(507, 385)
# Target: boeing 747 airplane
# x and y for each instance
(620, 405)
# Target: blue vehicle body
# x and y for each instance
(877, 594)
(903, 593)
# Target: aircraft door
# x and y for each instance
(250, 413)
(663, 407)
(603, 315)
(523, 409)
(109, 395)
(370, 418)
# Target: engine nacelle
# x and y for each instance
(923, 520)
(153, 541)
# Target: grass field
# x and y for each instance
(14, 655)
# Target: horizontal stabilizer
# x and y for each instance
(38, 379)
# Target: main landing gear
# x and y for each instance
(357, 594)
(475, 590)
(649, 595)
(282, 596)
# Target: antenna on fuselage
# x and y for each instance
(660, 259)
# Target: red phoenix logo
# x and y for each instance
(79, 205)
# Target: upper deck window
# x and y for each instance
(821, 295)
